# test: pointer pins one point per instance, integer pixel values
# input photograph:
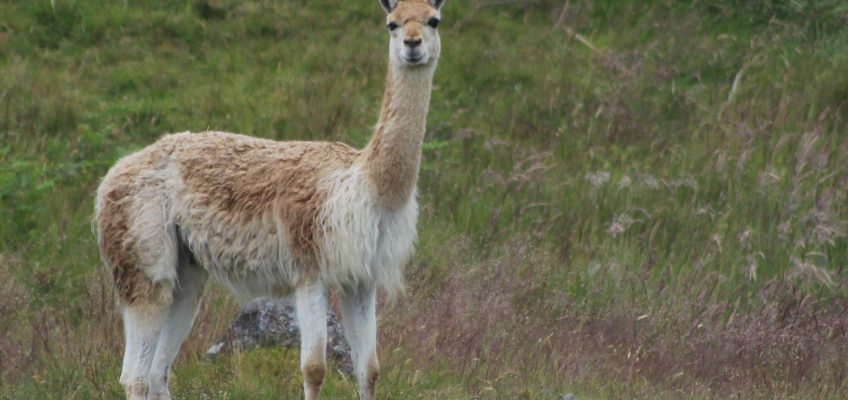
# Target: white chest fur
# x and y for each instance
(363, 242)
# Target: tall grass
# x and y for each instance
(619, 199)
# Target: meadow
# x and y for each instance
(619, 199)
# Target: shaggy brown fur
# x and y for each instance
(236, 177)
(118, 246)
(243, 177)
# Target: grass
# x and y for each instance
(654, 209)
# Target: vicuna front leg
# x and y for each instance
(359, 318)
(311, 305)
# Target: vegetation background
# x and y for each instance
(620, 199)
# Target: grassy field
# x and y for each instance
(620, 199)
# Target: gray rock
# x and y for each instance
(568, 396)
(266, 323)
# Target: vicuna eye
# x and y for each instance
(392, 26)
(434, 22)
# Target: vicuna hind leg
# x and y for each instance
(311, 306)
(186, 302)
(359, 318)
(145, 270)
(143, 321)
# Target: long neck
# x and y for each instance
(393, 157)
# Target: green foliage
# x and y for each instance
(674, 156)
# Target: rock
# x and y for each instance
(265, 323)
(568, 396)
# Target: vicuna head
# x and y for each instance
(414, 36)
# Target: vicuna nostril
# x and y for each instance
(412, 42)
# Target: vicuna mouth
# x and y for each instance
(414, 59)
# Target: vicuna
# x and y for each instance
(271, 219)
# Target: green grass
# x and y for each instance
(597, 217)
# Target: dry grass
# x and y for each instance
(501, 327)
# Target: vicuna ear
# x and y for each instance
(389, 5)
(438, 4)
